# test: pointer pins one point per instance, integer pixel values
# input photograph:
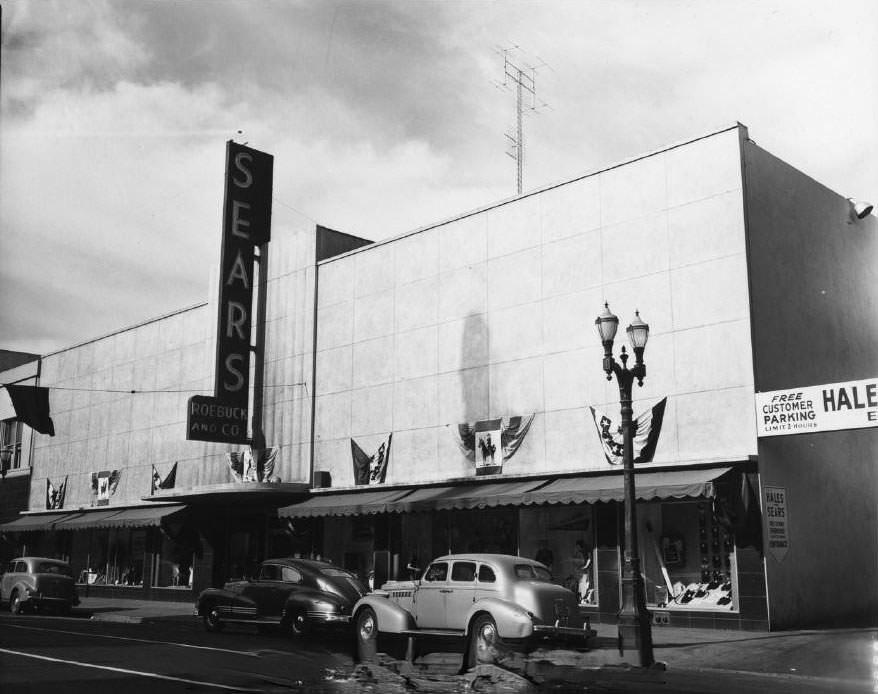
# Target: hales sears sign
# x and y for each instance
(223, 418)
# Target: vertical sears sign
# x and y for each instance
(223, 418)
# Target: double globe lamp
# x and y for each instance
(635, 631)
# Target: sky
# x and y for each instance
(382, 116)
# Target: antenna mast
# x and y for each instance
(524, 79)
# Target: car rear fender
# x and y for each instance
(307, 597)
(513, 621)
(392, 618)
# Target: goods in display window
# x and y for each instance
(562, 539)
(677, 577)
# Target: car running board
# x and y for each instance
(456, 633)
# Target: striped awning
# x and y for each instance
(582, 489)
(664, 484)
(344, 504)
(29, 523)
(466, 497)
(137, 517)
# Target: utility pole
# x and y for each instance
(524, 80)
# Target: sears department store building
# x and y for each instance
(753, 278)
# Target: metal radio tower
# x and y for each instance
(524, 81)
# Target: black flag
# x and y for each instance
(31, 404)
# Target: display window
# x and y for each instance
(687, 556)
(173, 565)
(488, 530)
(562, 538)
(112, 556)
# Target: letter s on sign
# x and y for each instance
(239, 377)
(240, 159)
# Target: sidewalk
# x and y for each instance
(844, 655)
(134, 611)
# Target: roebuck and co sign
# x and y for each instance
(847, 405)
(246, 224)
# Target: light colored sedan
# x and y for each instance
(37, 583)
(491, 601)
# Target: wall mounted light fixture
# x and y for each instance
(860, 208)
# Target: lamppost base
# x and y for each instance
(635, 634)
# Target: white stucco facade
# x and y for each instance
(492, 315)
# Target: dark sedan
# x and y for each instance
(292, 594)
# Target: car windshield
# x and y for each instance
(50, 567)
(532, 572)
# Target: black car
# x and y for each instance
(292, 594)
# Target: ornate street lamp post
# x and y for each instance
(635, 630)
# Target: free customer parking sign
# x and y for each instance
(830, 407)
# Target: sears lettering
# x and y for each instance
(236, 320)
(232, 369)
(238, 221)
(242, 162)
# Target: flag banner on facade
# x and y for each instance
(55, 495)
(371, 469)
(103, 486)
(167, 483)
(647, 428)
(31, 405)
(489, 443)
(253, 465)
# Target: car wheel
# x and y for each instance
(212, 621)
(485, 645)
(15, 606)
(299, 626)
(366, 630)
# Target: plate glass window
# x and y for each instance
(10, 438)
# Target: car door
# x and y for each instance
(461, 594)
(265, 591)
(17, 573)
(429, 603)
(292, 582)
(486, 583)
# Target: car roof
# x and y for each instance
(52, 559)
(502, 559)
(313, 564)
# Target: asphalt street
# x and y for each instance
(131, 647)
(46, 654)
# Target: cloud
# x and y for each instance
(382, 117)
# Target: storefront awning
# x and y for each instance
(350, 504)
(36, 522)
(466, 497)
(85, 519)
(139, 517)
(406, 500)
(143, 517)
(665, 484)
